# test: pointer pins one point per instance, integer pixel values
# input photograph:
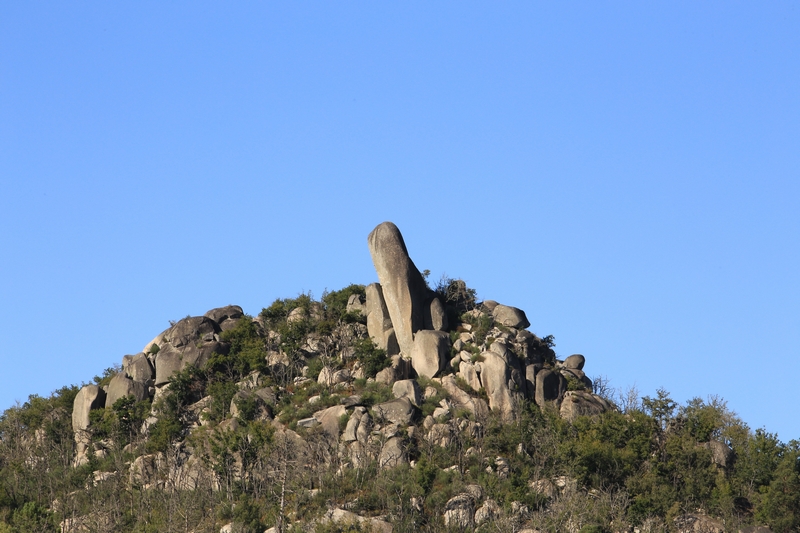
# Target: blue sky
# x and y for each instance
(627, 173)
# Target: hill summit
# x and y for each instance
(395, 406)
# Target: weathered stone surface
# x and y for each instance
(462, 400)
(721, 454)
(497, 382)
(342, 517)
(356, 304)
(88, 398)
(404, 288)
(429, 352)
(459, 511)
(575, 361)
(398, 411)
(190, 341)
(392, 453)
(487, 512)
(435, 315)
(544, 487)
(698, 523)
(157, 341)
(258, 398)
(550, 387)
(408, 388)
(122, 386)
(400, 369)
(329, 419)
(510, 316)
(330, 377)
(469, 373)
(226, 317)
(581, 403)
(530, 379)
(138, 367)
(379, 325)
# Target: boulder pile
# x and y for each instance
(445, 374)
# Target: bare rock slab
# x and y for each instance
(404, 289)
(429, 352)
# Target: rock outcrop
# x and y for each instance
(404, 288)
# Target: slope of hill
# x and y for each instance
(390, 407)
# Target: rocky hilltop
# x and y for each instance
(388, 407)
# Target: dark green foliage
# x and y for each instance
(335, 303)
(372, 358)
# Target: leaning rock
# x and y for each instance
(404, 288)
(122, 386)
(581, 403)
(399, 411)
(379, 325)
(510, 316)
(429, 353)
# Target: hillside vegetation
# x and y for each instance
(310, 417)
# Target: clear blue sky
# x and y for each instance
(628, 173)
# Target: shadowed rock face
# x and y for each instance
(404, 289)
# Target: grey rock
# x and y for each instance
(356, 304)
(459, 511)
(122, 386)
(510, 316)
(408, 388)
(191, 330)
(435, 315)
(404, 289)
(487, 512)
(88, 398)
(308, 423)
(495, 378)
(582, 403)
(379, 325)
(329, 419)
(350, 431)
(392, 453)
(550, 387)
(721, 454)
(469, 373)
(429, 352)
(575, 361)
(226, 317)
(461, 400)
(530, 379)
(698, 523)
(398, 411)
(138, 368)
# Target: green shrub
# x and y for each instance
(372, 358)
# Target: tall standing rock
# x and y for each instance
(404, 289)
